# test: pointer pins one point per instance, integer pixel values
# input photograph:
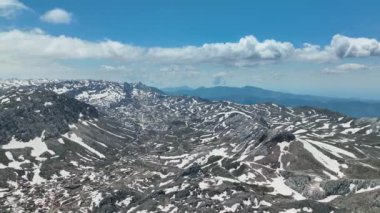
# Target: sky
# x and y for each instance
(324, 47)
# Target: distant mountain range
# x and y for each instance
(255, 95)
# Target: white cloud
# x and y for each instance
(183, 71)
(346, 47)
(57, 16)
(311, 52)
(36, 43)
(119, 68)
(339, 48)
(9, 8)
(345, 68)
(247, 51)
(352, 66)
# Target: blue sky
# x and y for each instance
(198, 43)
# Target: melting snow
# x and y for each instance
(367, 189)
(5, 100)
(204, 185)
(352, 130)
(72, 126)
(346, 125)
(282, 146)
(167, 208)
(233, 208)
(37, 179)
(73, 137)
(64, 173)
(124, 202)
(104, 97)
(13, 164)
(96, 198)
(279, 187)
(246, 177)
(172, 189)
(332, 149)
(300, 131)
(220, 197)
(256, 158)
(119, 136)
(48, 104)
(292, 210)
(74, 163)
(37, 145)
(173, 157)
(3, 191)
(60, 90)
(61, 141)
(326, 161)
(307, 209)
(328, 199)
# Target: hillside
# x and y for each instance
(131, 148)
(255, 95)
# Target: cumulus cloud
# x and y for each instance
(36, 43)
(247, 51)
(345, 68)
(9, 8)
(340, 47)
(346, 47)
(57, 16)
(311, 52)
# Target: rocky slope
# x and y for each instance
(110, 147)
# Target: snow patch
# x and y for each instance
(300, 131)
(37, 179)
(74, 138)
(124, 202)
(367, 189)
(326, 161)
(64, 173)
(37, 145)
(96, 198)
(48, 104)
(279, 187)
(328, 199)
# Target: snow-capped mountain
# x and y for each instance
(101, 146)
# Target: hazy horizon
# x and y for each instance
(177, 88)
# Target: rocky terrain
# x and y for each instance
(97, 146)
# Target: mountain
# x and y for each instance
(99, 146)
(255, 95)
(175, 89)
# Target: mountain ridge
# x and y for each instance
(151, 152)
(254, 95)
